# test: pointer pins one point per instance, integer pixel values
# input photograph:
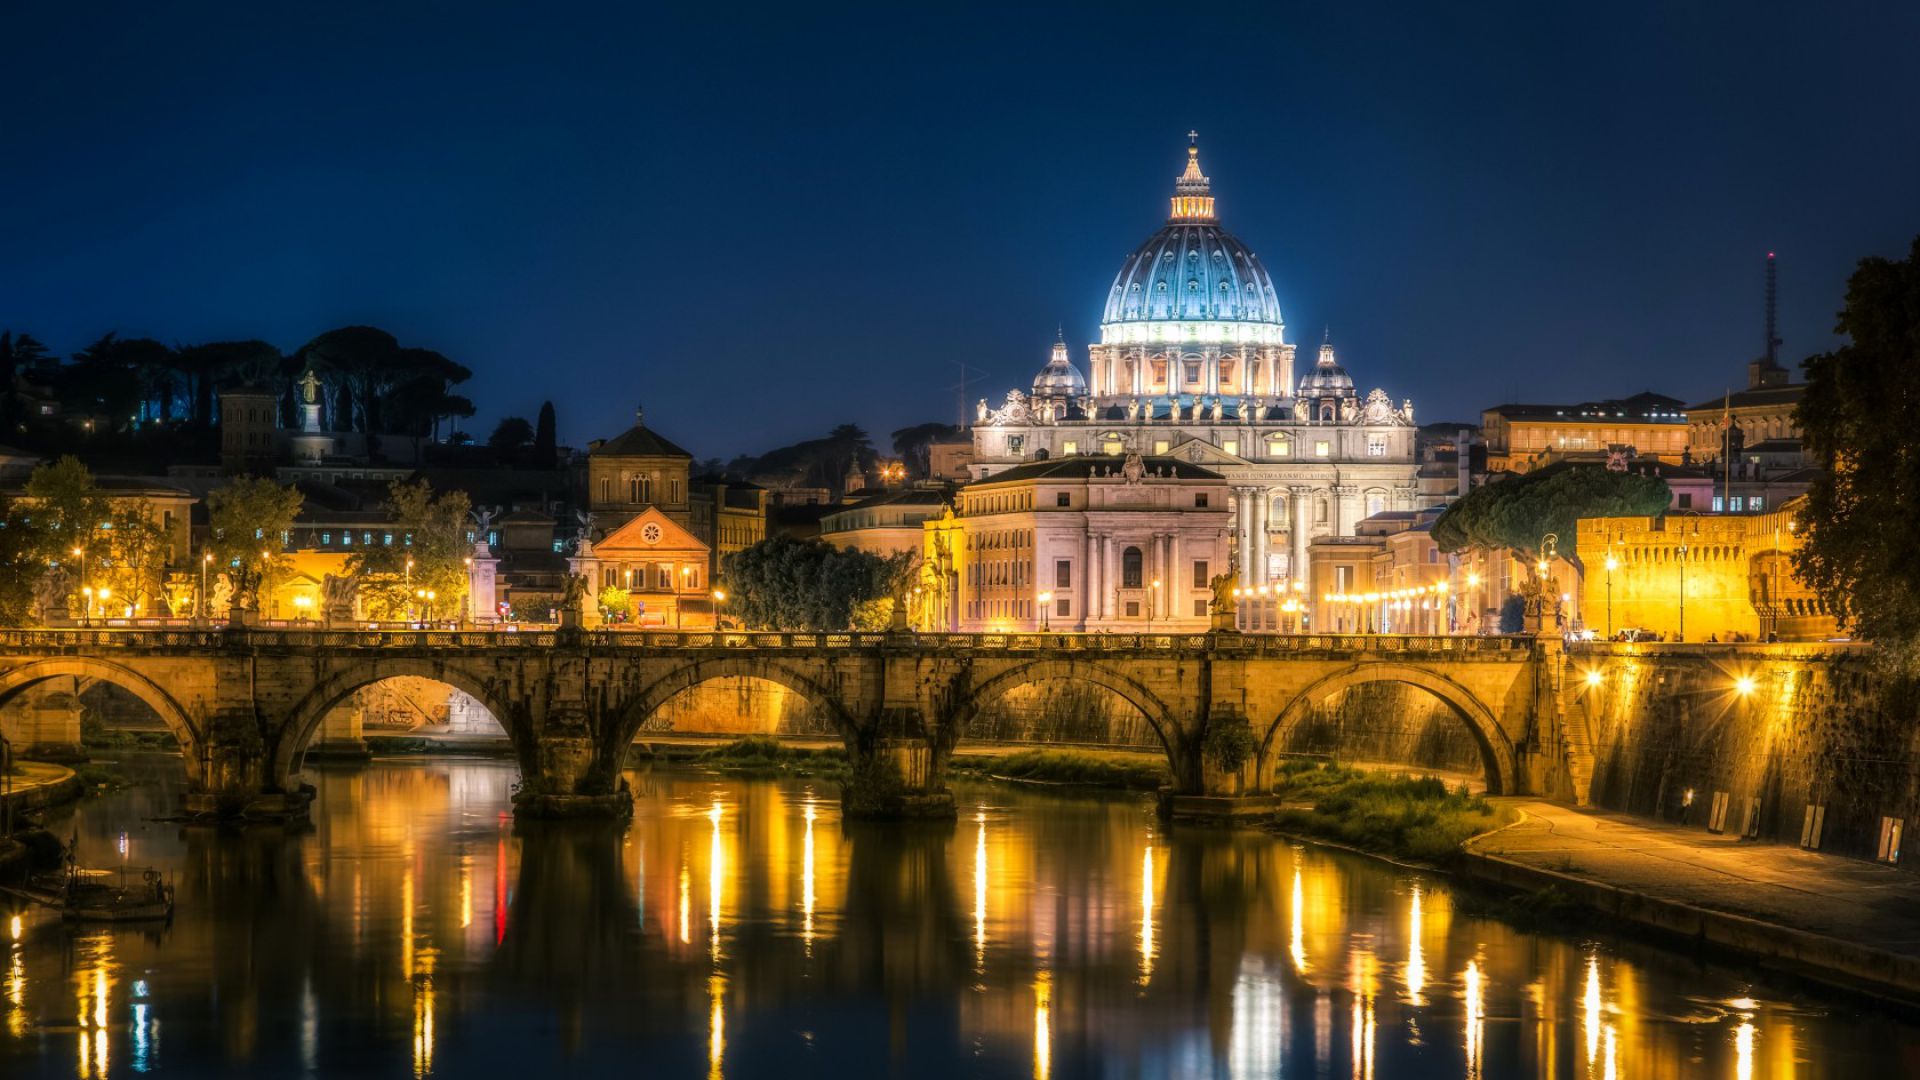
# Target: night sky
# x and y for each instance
(763, 223)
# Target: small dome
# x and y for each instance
(1059, 378)
(1328, 378)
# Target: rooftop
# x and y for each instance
(1098, 466)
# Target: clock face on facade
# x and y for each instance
(651, 532)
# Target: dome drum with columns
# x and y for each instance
(1192, 361)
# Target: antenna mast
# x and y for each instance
(967, 374)
(1773, 338)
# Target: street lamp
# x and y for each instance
(719, 597)
(1682, 634)
(206, 609)
(1150, 598)
(1046, 601)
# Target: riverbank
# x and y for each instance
(1832, 919)
(1395, 815)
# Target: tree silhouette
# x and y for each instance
(544, 448)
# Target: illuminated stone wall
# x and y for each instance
(1789, 726)
(1388, 723)
(1736, 572)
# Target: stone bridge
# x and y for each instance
(245, 704)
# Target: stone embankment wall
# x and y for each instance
(1747, 741)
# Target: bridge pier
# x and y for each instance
(899, 774)
(227, 774)
(1208, 789)
(572, 777)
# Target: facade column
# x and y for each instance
(1213, 373)
(1344, 509)
(1259, 536)
(1085, 584)
(1243, 528)
(1300, 498)
(1175, 577)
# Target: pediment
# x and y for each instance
(649, 530)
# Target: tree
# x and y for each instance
(1517, 512)
(511, 435)
(545, 440)
(246, 522)
(429, 555)
(18, 354)
(1858, 418)
(112, 377)
(390, 389)
(785, 583)
(616, 603)
(220, 364)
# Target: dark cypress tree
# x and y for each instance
(543, 437)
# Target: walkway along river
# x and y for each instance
(740, 928)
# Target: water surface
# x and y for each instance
(739, 928)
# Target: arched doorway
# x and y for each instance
(1391, 714)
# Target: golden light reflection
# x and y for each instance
(686, 904)
(980, 890)
(93, 992)
(466, 892)
(17, 990)
(1146, 916)
(1476, 1011)
(716, 878)
(1743, 1050)
(15, 927)
(1299, 941)
(1416, 972)
(1612, 1065)
(423, 1009)
(716, 1026)
(806, 883)
(1043, 1026)
(1365, 985)
(1591, 1003)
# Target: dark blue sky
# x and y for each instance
(766, 222)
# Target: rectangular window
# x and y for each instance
(1063, 573)
(1159, 447)
(606, 489)
(1199, 608)
(1201, 578)
(1719, 504)
(1279, 448)
(1813, 827)
(1133, 609)
(1061, 498)
(1322, 449)
(1017, 444)
(1200, 500)
(346, 538)
(673, 490)
(1376, 446)
(326, 538)
(1111, 446)
(1685, 500)
(1736, 504)
(1231, 446)
(1062, 607)
(388, 541)
(1069, 447)
(1756, 503)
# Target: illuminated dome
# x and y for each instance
(1328, 378)
(1192, 280)
(1059, 378)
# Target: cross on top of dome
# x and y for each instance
(1192, 193)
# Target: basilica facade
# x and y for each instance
(1193, 363)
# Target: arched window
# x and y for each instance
(1131, 569)
(1376, 501)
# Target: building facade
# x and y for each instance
(1085, 543)
(885, 524)
(1193, 364)
(635, 470)
(1521, 438)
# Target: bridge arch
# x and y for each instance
(1496, 749)
(973, 699)
(306, 717)
(681, 679)
(149, 692)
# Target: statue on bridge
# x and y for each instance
(573, 602)
(51, 596)
(1224, 604)
(337, 594)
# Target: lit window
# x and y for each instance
(388, 542)
(1322, 448)
(1279, 448)
(1718, 505)
(1159, 446)
(1111, 446)
(326, 538)
(1376, 446)
(1231, 446)
(1068, 447)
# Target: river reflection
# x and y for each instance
(740, 928)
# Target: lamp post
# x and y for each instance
(1046, 601)
(407, 584)
(206, 608)
(1154, 592)
(719, 597)
(1682, 635)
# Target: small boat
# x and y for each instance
(84, 895)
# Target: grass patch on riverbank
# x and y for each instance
(1406, 817)
(760, 757)
(115, 739)
(1064, 767)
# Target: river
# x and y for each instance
(738, 928)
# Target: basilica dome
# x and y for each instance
(1192, 272)
(1328, 378)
